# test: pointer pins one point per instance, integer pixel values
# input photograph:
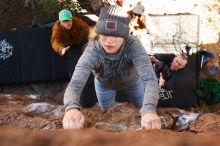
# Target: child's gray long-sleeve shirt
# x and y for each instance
(114, 71)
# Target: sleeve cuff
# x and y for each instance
(147, 109)
(71, 107)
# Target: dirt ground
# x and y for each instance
(119, 126)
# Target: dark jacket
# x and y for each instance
(163, 66)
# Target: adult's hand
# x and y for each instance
(150, 121)
(64, 50)
(73, 119)
(154, 59)
(161, 82)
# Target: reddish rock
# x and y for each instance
(119, 126)
(206, 123)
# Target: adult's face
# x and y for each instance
(111, 44)
(178, 63)
(67, 24)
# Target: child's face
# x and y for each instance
(111, 44)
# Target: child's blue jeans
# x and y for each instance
(106, 96)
